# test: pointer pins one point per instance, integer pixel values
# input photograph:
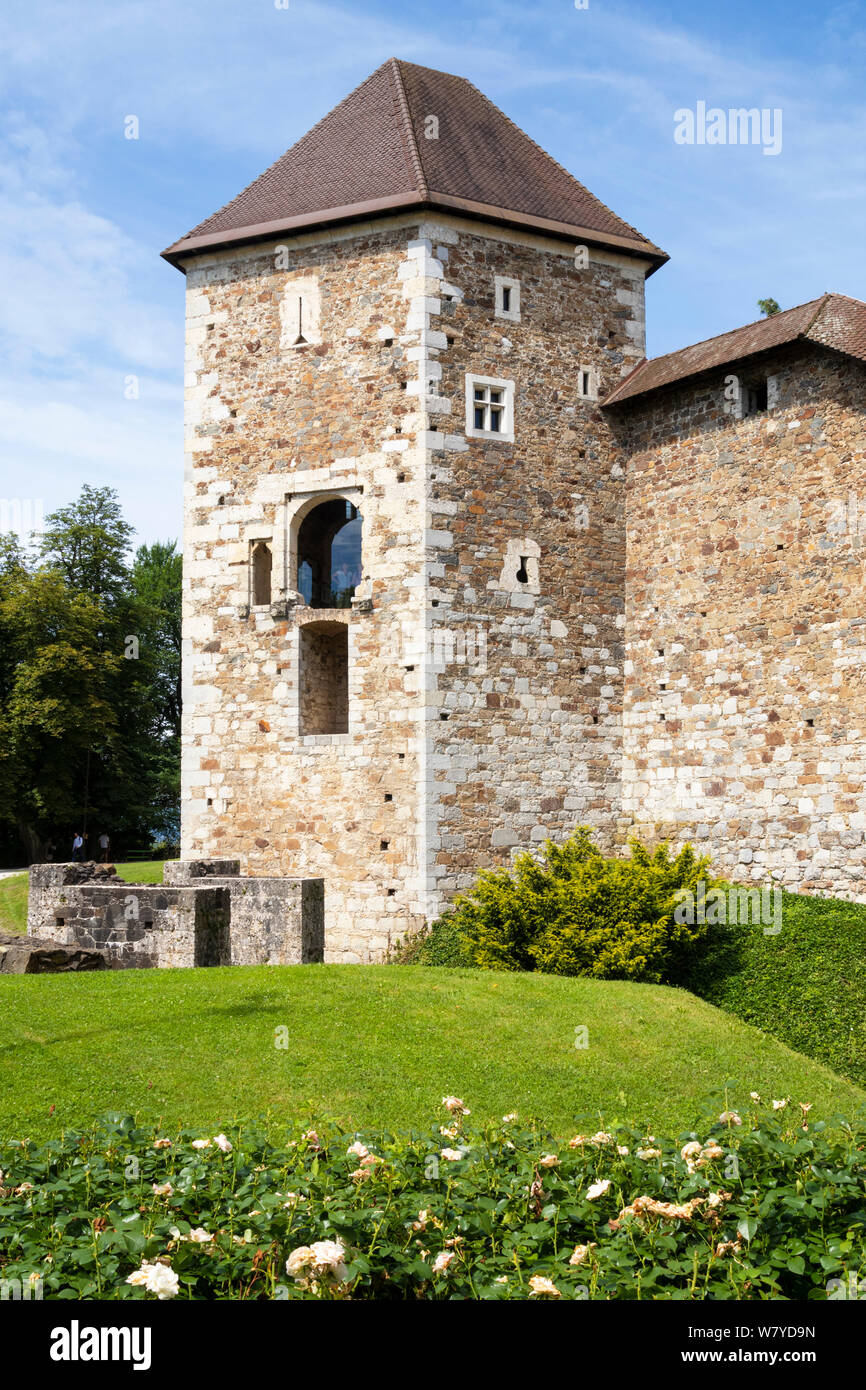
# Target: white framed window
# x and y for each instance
(507, 298)
(489, 408)
(587, 383)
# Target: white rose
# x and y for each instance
(597, 1189)
(543, 1288)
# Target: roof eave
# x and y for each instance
(690, 378)
(355, 212)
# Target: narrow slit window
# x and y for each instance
(300, 338)
(299, 313)
(262, 565)
(587, 382)
(507, 298)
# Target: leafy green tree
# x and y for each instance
(156, 584)
(58, 686)
(769, 307)
(156, 587)
(11, 554)
(89, 682)
(88, 541)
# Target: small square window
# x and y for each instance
(755, 398)
(489, 408)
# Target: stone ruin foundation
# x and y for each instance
(204, 913)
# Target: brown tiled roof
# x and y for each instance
(834, 320)
(370, 154)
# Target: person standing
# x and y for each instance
(77, 846)
(104, 847)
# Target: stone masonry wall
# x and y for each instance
(204, 914)
(525, 673)
(138, 925)
(274, 921)
(482, 712)
(745, 716)
(271, 430)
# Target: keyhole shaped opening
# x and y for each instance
(522, 576)
(300, 338)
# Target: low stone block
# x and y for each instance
(25, 955)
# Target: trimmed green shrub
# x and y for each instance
(752, 1205)
(443, 945)
(575, 912)
(805, 986)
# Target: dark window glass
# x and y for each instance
(329, 554)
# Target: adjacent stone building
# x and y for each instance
(745, 719)
(454, 551)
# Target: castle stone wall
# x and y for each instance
(745, 706)
(271, 430)
(527, 587)
(480, 709)
(145, 926)
(274, 921)
(204, 914)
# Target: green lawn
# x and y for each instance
(13, 903)
(13, 891)
(377, 1046)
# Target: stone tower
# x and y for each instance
(404, 522)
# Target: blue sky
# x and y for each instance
(222, 87)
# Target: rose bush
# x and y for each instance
(756, 1203)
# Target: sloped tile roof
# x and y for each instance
(834, 320)
(372, 154)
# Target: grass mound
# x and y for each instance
(375, 1046)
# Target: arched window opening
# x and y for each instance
(329, 554)
(324, 678)
(262, 564)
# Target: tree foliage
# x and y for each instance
(89, 683)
